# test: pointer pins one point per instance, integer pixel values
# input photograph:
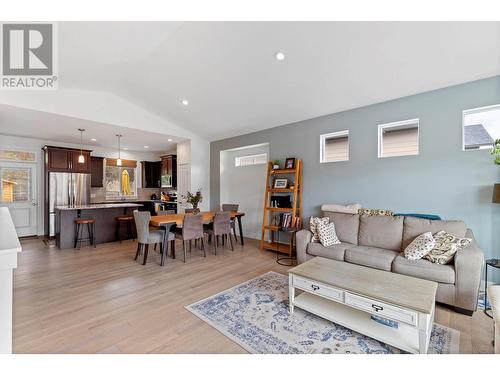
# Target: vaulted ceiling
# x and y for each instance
(234, 84)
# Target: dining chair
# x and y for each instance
(146, 237)
(221, 226)
(192, 229)
(232, 208)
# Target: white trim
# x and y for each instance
(324, 137)
(472, 111)
(396, 124)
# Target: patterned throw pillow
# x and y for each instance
(313, 225)
(327, 235)
(446, 246)
(420, 246)
(375, 212)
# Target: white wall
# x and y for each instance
(244, 186)
(35, 145)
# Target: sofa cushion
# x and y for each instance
(385, 232)
(371, 257)
(413, 227)
(424, 269)
(346, 226)
(331, 252)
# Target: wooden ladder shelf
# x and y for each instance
(270, 228)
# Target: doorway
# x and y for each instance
(242, 181)
(18, 194)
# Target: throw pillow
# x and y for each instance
(327, 235)
(420, 246)
(313, 225)
(446, 246)
(375, 212)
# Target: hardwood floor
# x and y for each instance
(101, 301)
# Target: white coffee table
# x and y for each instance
(348, 294)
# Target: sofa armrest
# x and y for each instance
(468, 270)
(302, 238)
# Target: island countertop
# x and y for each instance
(97, 206)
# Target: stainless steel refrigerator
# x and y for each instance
(66, 189)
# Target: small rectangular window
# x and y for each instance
(11, 155)
(243, 161)
(334, 147)
(398, 138)
(480, 127)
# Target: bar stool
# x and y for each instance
(128, 219)
(79, 227)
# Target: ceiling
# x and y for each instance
(43, 125)
(228, 71)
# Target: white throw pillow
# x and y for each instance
(313, 225)
(327, 235)
(446, 246)
(420, 246)
(345, 209)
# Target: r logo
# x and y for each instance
(27, 49)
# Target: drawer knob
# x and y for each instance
(314, 287)
(377, 308)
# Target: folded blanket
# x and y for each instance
(345, 209)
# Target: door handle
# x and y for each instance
(314, 287)
(377, 308)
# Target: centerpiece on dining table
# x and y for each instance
(194, 200)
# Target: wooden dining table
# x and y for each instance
(166, 222)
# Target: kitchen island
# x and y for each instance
(104, 214)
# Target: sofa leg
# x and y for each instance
(464, 311)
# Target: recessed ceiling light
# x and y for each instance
(125, 148)
(93, 139)
(170, 139)
(280, 56)
(184, 101)
(146, 146)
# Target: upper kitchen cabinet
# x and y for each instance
(59, 159)
(151, 171)
(97, 171)
(169, 171)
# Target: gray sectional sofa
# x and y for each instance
(378, 241)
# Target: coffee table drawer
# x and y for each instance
(380, 308)
(318, 288)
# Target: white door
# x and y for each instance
(183, 182)
(18, 193)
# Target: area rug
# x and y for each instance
(255, 315)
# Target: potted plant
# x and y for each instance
(276, 164)
(496, 151)
(194, 200)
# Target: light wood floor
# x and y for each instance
(101, 301)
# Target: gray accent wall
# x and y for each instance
(442, 179)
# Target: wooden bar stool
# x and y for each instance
(79, 227)
(128, 219)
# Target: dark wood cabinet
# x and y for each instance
(59, 159)
(151, 171)
(96, 171)
(169, 171)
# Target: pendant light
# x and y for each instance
(119, 160)
(81, 158)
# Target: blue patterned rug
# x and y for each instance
(255, 315)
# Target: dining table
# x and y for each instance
(167, 222)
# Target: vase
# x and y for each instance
(196, 210)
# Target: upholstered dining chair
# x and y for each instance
(146, 237)
(192, 229)
(232, 208)
(221, 226)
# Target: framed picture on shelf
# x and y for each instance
(280, 183)
(290, 163)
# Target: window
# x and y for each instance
(10, 155)
(15, 184)
(334, 147)
(243, 161)
(480, 127)
(121, 182)
(398, 138)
